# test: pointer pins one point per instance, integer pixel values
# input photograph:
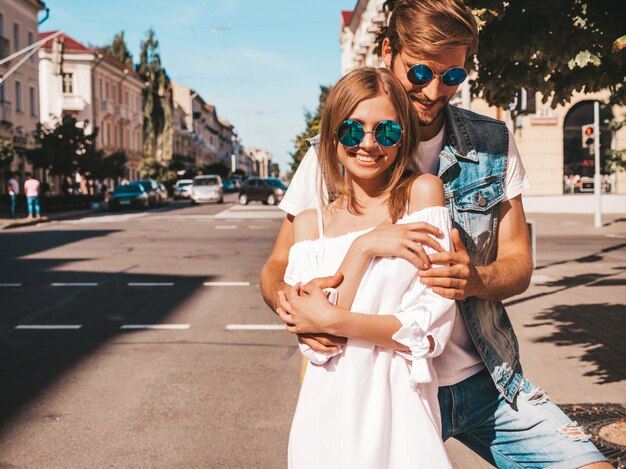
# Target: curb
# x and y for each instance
(20, 223)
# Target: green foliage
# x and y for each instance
(555, 47)
(118, 50)
(153, 169)
(64, 148)
(615, 158)
(312, 121)
(110, 166)
(7, 152)
(158, 127)
(217, 168)
(275, 170)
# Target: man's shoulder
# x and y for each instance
(464, 114)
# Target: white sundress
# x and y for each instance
(369, 407)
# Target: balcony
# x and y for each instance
(106, 108)
(6, 117)
(72, 102)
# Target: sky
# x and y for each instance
(261, 63)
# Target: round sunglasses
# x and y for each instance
(387, 133)
(421, 75)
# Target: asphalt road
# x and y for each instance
(83, 384)
(122, 340)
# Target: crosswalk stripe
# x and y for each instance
(226, 284)
(74, 284)
(48, 326)
(155, 326)
(9, 285)
(150, 284)
(255, 327)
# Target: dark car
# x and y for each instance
(131, 195)
(270, 191)
(152, 189)
(232, 185)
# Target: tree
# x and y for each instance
(555, 47)
(118, 50)
(7, 153)
(217, 168)
(110, 166)
(615, 158)
(153, 169)
(312, 121)
(158, 127)
(64, 147)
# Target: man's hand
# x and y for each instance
(290, 299)
(405, 240)
(460, 279)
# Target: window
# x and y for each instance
(18, 96)
(33, 105)
(108, 134)
(101, 95)
(31, 39)
(16, 37)
(68, 87)
(114, 94)
(102, 132)
(106, 89)
(115, 136)
(126, 97)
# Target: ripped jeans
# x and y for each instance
(531, 433)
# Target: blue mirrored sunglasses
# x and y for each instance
(387, 133)
(421, 75)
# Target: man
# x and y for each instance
(485, 401)
(13, 188)
(31, 190)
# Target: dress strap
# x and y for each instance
(320, 222)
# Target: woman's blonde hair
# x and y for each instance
(355, 87)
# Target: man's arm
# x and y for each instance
(273, 271)
(507, 276)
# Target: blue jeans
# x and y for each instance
(531, 433)
(13, 204)
(32, 202)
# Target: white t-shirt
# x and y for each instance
(460, 359)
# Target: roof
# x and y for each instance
(72, 45)
(346, 16)
(69, 43)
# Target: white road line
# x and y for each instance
(155, 326)
(225, 227)
(255, 327)
(9, 285)
(49, 326)
(611, 235)
(150, 284)
(541, 278)
(226, 284)
(254, 227)
(75, 284)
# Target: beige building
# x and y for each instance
(261, 161)
(93, 86)
(549, 140)
(19, 92)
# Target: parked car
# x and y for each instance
(163, 196)
(207, 189)
(270, 191)
(182, 188)
(151, 187)
(131, 195)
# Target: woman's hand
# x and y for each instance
(308, 311)
(405, 240)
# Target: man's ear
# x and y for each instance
(387, 53)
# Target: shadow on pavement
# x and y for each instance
(595, 328)
(32, 361)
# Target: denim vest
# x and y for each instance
(472, 165)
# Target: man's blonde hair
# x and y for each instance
(432, 27)
(355, 87)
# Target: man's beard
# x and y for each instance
(427, 117)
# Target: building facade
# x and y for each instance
(19, 92)
(549, 139)
(261, 161)
(94, 87)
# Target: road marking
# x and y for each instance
(48, 326)
(225, 227)
(75, 284)
(150, 284)
(155, 326)
(9, 285)
(541, 278)
(226, 284)
(255, 327)
(615, 236)
(254, 227)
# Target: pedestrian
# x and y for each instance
(13, 188)
(486, 402)
(31, 190)
(363, 407)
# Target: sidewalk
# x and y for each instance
(6, 222)
(570, 325)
